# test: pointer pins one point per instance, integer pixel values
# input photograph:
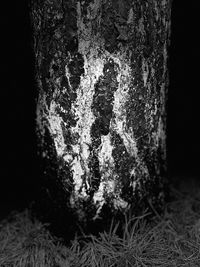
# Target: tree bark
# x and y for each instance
(101, 69)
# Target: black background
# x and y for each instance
(183, 98)
(19, 171)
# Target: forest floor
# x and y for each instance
(169, 240)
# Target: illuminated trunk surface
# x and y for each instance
(101, 68)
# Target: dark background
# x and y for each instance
(19, 171)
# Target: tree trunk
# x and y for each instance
(101, 68)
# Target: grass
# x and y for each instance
(167, 241)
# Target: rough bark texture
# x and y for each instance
(101, 69)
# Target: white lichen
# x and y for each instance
(145, 71)
(130, 16)
(55, 128)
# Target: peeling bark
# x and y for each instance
(102, 76)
